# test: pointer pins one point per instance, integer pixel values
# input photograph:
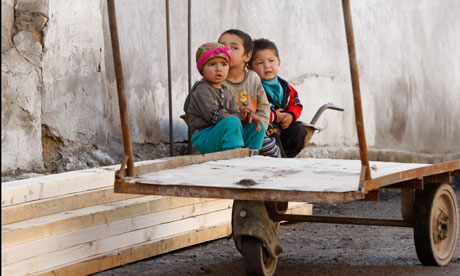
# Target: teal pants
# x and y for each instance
(228, 134)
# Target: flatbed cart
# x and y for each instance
(428, 202)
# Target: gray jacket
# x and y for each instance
(206, 105)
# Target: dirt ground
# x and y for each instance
(312, 249)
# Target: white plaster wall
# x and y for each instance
(143, 48)
(7, 23)
(407, 54)
(21, 95)
(409, 76)
(142, 33)
(399, 66)
(21, 128)
(73, 99)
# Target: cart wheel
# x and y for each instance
(436, 224)
(257, 261)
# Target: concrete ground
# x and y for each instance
(312, 249)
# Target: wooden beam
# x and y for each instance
(49, 186)
(63, 184)
(151, 248)
(139, 252)
(45, 207)
(81, 252)
(58, 242)
(180, 161)
(42, 227)
(67, 240)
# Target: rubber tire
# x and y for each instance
(257, 261)
(431, 250)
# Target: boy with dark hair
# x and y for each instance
(284, 100)
(246, 84)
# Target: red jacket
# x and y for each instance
(290, 103)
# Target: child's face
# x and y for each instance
(215, 71)
(266, 64)
(235, 43)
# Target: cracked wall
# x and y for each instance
(73, 97)
(51, 80)
(22, 25)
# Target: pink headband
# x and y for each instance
(212, 53)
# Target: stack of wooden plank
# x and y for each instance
(74, 224)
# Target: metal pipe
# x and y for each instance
(120, 86)
(168, 46)
(322, 109)
(341, 220)
(356, 89)
(189, 56)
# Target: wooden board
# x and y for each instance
(47, 245)
(298, 179)
(54, 185)
(42, 227)
(165, 225)
(139, 252)
(65, 184)
(44, 207)
(69, 239)
(151, 248)
(180, 161)
(107, 244)
(79, 253)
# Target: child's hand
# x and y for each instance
(280, 115)
(286, 122)
(253, 118)
(244, 112)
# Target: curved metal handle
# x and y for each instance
(322, 109)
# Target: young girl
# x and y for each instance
(285, 103)
(211, 110)
(246, 84)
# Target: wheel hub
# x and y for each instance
(443, 219)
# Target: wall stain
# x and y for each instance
(398, 111)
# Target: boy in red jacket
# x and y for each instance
(285, 103)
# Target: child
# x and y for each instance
(211, 110)
(285, 104)
(246, 85)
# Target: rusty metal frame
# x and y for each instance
(356, 89)
(130, 186)
(168, 49)
(415, 178)
(189, 59)
(120, 89)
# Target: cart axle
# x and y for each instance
(341, 220)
